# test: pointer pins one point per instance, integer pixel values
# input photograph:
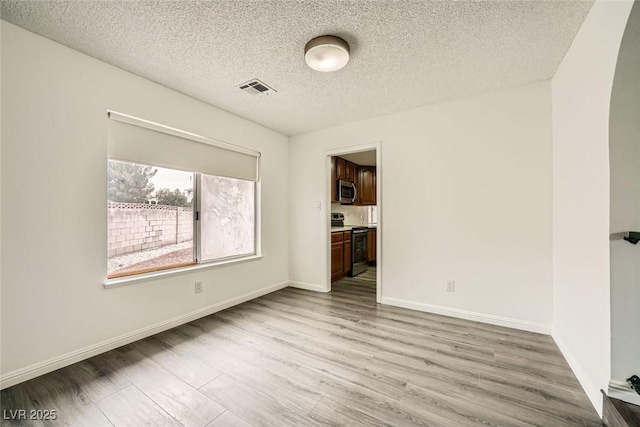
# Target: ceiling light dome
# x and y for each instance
(326, 53)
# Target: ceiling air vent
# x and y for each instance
(256, 87)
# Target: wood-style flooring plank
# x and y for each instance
(366, 400)
(178, 340)
(456, 411)
(54, 391)
(18, 398)
(181, 401)
(357, 373)
(253, 406)
(95, 377)
(129, 407)
(280, 390)
(332, 413)
(190, 369)
(228, 419)
(234, 358)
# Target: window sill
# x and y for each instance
(129, 280)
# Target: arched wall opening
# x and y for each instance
(624, 159)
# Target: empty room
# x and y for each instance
(331, 212)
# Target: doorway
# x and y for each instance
(354, 191)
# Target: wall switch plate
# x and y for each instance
(198, 287)
(451, 286)
(318, 206)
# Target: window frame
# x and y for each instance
(127, 277)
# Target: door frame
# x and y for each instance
(327, 222)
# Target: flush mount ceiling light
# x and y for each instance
(326, 53)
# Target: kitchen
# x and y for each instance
(354, 215)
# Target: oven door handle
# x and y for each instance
(354, 193)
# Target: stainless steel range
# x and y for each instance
(359, 260)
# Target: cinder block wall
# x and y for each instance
(136, 226)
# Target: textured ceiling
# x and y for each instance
(404, 53)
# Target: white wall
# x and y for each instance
(581, 93)
(54, 153)
(624, 151)
(466, 196)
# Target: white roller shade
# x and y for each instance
(136, 140)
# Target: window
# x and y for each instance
(227, 219)
(176, 199)
(151, 218)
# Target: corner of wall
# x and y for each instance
(590, 388)
(581, 93)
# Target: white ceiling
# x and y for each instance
(404, 53)
(363, 158)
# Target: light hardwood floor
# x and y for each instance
(301, 358)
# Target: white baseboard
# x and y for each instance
(623, 391)
(592, 391)
(308, 286)
(35, 370)
(470, 315)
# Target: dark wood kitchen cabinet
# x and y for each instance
(347, 252)
(334, 181)
(344, 169)
(366, 185)
(341, 168)
(371, 245)
(350, 171)
(340, 254)
(337, 255)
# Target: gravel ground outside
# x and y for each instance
(170, 254)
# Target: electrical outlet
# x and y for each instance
(451, 286)
(198, 287)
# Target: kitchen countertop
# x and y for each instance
(350, 227)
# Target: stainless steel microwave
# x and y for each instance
(346, 192)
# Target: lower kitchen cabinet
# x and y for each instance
(340, 254)
(347, 252)
(371, 245)
(337, 255)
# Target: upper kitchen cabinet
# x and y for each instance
(341, 168)
(350, 172)
(345, 170)
(366, 185)
(334, 181)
